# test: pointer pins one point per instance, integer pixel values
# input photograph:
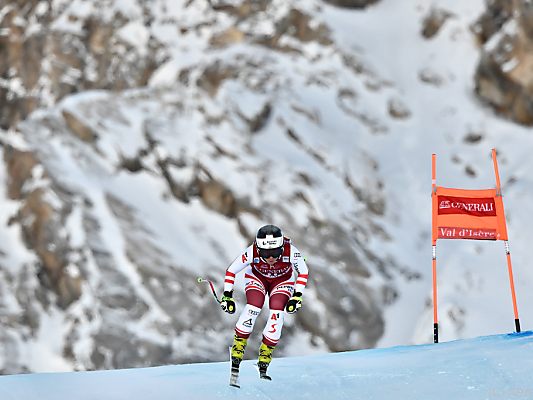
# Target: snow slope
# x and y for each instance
(491, 367)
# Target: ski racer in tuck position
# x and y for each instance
(272, 266)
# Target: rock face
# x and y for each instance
(113, 277)
(351, 3)
(434, 21)
(503, 77)
(40, 224)
(73, 53)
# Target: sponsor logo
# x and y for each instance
(446, 232)
(272, 271)
(296, 255)
(253, 312)
(269, 242)
(274, 317)
(245, 257)
(248, 323)
(254, 283)
(273, 329)
(288, 288)
(479, 207)
(285, 259)
(256, 260)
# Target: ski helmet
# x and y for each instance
(269, 241)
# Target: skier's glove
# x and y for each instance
(227, 303)
(294, 303)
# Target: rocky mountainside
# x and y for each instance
(145, 142)
(504, 75)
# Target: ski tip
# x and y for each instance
(235, 385)
(199, 279)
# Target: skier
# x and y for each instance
(272, 263)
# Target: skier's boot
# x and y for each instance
(265, 356)
(237, 350)
(237, 354)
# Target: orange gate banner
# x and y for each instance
(468, 214)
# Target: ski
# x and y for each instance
(234, 377)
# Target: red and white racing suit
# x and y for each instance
(288, 275)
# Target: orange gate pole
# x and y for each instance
(434, 247)
(507, 251)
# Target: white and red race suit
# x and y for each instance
(288, 275)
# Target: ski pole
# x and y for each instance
(203, 280)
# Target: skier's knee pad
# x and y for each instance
(272, 331)
(246, 321)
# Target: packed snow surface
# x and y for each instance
(491, 367)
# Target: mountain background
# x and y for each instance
(144, 142)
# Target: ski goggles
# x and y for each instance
(266, 253)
